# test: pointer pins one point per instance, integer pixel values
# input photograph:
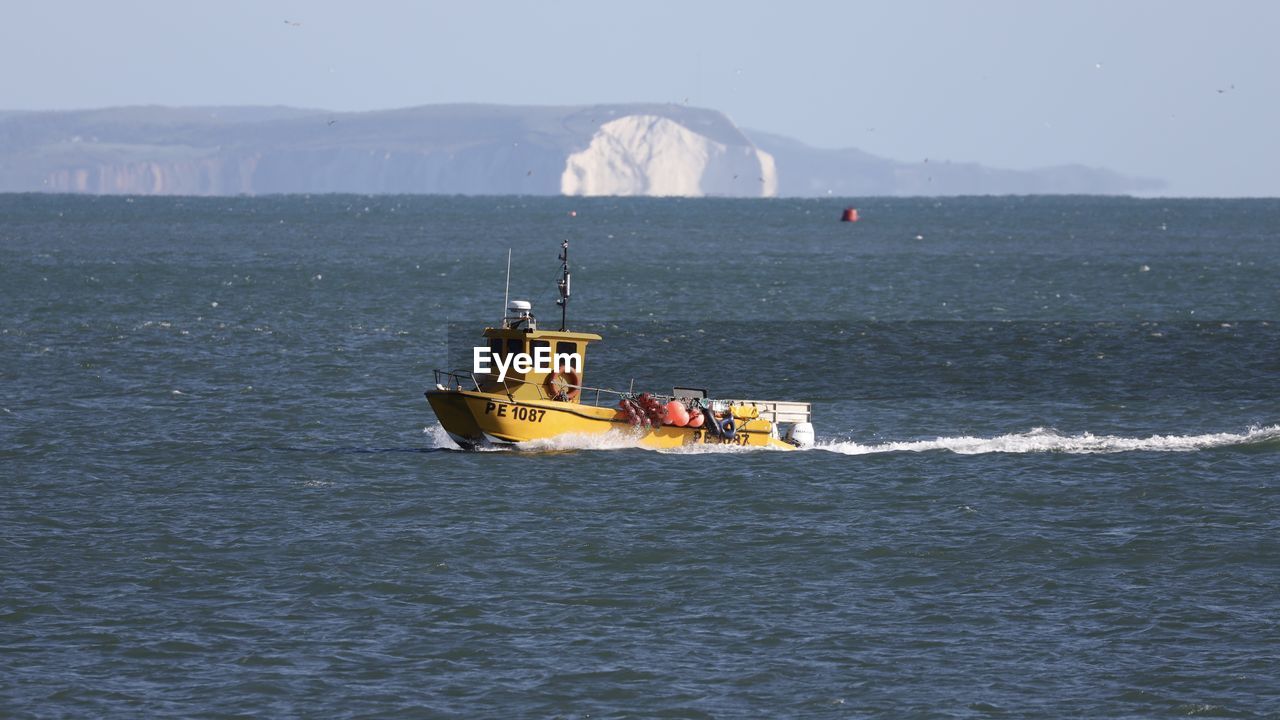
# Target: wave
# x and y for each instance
(1036, 440)
(1039, 440)
(438, 438)
(612, 440)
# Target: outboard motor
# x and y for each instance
(800, 435)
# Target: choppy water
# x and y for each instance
(1045, 485)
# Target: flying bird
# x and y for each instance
(290, 23)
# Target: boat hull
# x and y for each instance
(475, 418)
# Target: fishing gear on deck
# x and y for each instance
(651, 411)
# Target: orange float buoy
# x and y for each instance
(850, 215)
(695, 418)
(676, 414)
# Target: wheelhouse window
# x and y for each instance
(565, 347)
(533, 348)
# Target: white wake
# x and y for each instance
(1036, 440)
(611, 440)
(1040, 440)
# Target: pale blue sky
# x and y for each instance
(1133, 85)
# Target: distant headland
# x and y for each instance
(624, 149)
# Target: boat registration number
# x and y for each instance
(519, 412)
(707, 438)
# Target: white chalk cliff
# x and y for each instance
(656, 156)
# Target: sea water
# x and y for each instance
(1046, 482)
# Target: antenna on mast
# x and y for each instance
(563, 283)
(506, 293)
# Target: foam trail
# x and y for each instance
(611, 440)
(1046, 440)
(1033, 441)
(439, 438)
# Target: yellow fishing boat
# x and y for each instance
(527, 385)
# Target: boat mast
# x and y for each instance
(506, 294)
(563, 284)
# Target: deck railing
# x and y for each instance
(778, 412)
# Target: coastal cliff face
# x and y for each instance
(637, 149)
(650, 155)
(197, 176)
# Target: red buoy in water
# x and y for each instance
(850, 215)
